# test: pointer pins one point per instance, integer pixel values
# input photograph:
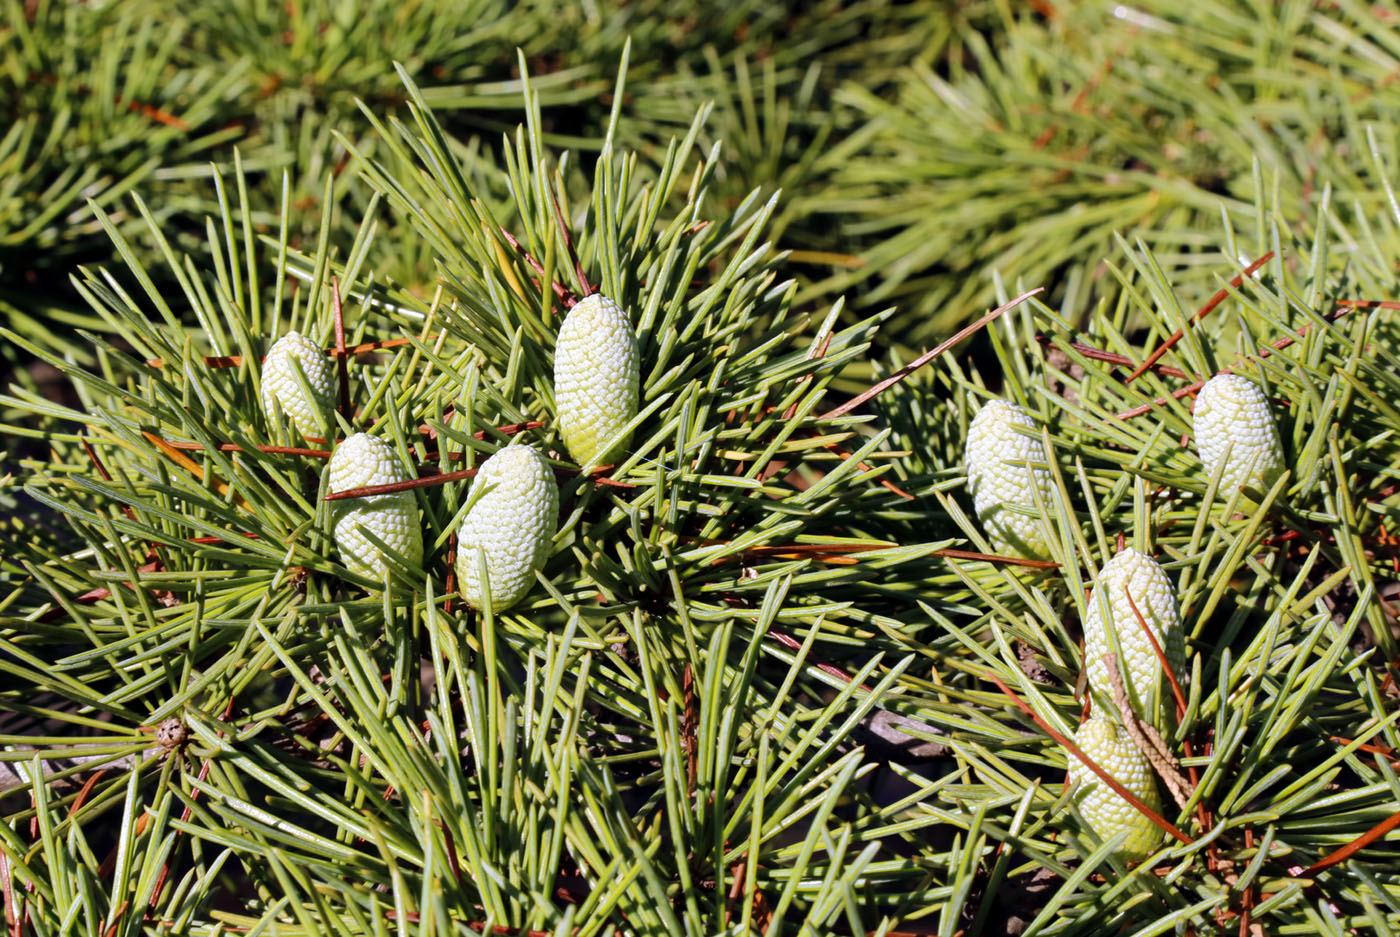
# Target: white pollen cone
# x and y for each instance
(1133, 579)
(362, 461)
(1236, 434)
(1005, 470)
(597, 375)
(1109, 747)
(281, 387)
(510, 526)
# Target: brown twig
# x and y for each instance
(502, 931)
(1161, 655)
(1355, 846)
(234, 447)
(395, 487)
(1200, 314)
(565, 295)
(1369, 303)
(735, 890)
(690, 720)
(7, 888)
(1277, 344)
(788, 641)
(1103, 775)
(867, 467)
(1146, 737)
(995, 558)
(156, 114)
(509, 429)
(600, 476)
(365, 348)
(926, 357)
(428, 481)
(184, 818)
(822, 552)
(233, 361)
(569, 244)
(103, 473)
(1247, 899)
(1109, 357)
(451, 573)
(832, 552)
(1175, 395)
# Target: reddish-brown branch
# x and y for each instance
(1247, 900)
(569, 244)
(204, 541)
(453, 863)
(234, 447)
(1356, 845)
(738, 870)
(184, 818)
(1103, 775)
(451, 572)
(85, 791)
(1369, 303)
(105, 475)
(608, 482)
(233, 361)
(994, 558)
(7, 889)
(1202, 815)
(1176, 395)
(836, 554)
(155, 114)
(1385, 750)
(1279, 344)
(365, 348)
(1200, 314)
(867, 467)
(690, 719)
(1161, 656)
(1081, 99)
(841, 554)
(792, 643)
(509, 430)
(116, 919)
(444, 478)
(565, 295)
(1276, 345)
(212, 361)
(481, 928)
(927, 356)
(395, 487)
(1109, 357)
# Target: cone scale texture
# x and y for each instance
(1005, 470)
(1136, 575)
(1235, 431)
(360, 461)
(512, 526)
(1109, 747)
(280, 385)
(596, 378)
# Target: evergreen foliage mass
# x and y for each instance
(773, 675)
